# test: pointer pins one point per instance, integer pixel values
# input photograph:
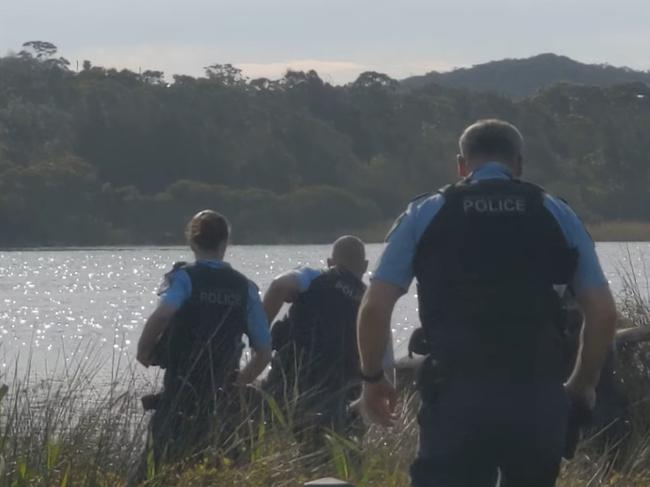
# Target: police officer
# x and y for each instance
(486, 253)
(195, 333)
(315, 343)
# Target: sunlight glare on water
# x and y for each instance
(53, 300)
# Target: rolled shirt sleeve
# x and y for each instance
(589, 273)
(257, 328)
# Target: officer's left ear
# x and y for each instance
(463, 170)
(365, 266)
(330, 262)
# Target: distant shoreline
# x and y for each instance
(620, 231)
(614, 231)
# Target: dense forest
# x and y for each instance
(100, 156)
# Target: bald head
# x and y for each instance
(349, 252)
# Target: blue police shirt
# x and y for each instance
(180, 290)
(305, 276)
(396, 262)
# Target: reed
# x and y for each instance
(65, 429)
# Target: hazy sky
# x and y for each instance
(338, 38)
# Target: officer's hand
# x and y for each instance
(581, 394)
(378, 402)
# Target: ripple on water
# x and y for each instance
(54, 299)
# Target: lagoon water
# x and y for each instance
(90, 304)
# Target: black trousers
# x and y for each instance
(474, 432)
(175, 434)
(182, 430)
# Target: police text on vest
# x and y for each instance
(494, 204)
(221, 297)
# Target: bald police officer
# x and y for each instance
(486, 253)
(315, 343)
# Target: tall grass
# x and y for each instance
(626, 462)
(69, 429)
(68, 433)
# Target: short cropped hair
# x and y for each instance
(207, 230)
(491, 138)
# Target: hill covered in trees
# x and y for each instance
(525, 77)
(102, 156)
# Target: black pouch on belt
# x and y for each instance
(430, 379)
(150, 402)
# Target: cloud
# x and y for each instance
(332, 71)
(190, 59)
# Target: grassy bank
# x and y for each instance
(55, 434)
(64, 430)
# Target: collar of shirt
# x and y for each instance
(491, 170)
(217, 264)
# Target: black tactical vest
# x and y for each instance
(321, 329)
(203, 345)
(485, 268)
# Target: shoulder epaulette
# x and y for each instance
(420, 197)
(179, 264)
(463, 182)
(166, 282)
(399, 219)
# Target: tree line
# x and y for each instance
(100, 156)
(518, 78)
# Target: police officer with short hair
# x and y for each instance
(195, 333)
(486, 253)
(315, 343)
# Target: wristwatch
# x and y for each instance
(372, 379)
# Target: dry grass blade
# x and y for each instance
(70, 429)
